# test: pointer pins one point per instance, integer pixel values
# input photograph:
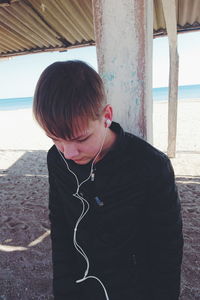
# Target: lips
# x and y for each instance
(81, 161)
(77, 160)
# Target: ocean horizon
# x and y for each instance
(159, 94)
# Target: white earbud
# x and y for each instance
(108, 122)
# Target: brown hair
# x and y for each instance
(68, 94)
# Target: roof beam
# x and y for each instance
(169, 9)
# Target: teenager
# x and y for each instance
(116, 225)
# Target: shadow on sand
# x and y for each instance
(25, 250)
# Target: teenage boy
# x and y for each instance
(115, 217)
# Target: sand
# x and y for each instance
(25, 250)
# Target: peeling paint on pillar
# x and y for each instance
(120, 29)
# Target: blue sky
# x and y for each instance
(18, 76)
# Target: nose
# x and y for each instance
(70, 151)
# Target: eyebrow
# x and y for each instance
(73, 139)
(81, 136)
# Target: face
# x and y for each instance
(86, 144)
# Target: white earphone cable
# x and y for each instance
(85, 208)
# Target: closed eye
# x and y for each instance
(84, 139)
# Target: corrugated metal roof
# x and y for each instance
(187, 14)
(28, 26)
(44, 25)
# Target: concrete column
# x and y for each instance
(124, 32)
(169, 9)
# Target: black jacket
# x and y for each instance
(133, 241)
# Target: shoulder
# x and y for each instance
(52, 156)
(147, 159)
(142, 149)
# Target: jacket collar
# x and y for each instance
(120, 142)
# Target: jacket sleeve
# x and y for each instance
(64, 268)
(159, 254)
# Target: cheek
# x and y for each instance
(95, 145)
(85, 148)
(90, 148)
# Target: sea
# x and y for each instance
(159, 94)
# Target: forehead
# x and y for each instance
(83, 127)
(80, 129)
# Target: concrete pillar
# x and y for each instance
(124, 32)
(169, 9)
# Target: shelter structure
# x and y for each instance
(122, 31)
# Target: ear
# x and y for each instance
(108, 115)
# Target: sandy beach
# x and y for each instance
(25, 250)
